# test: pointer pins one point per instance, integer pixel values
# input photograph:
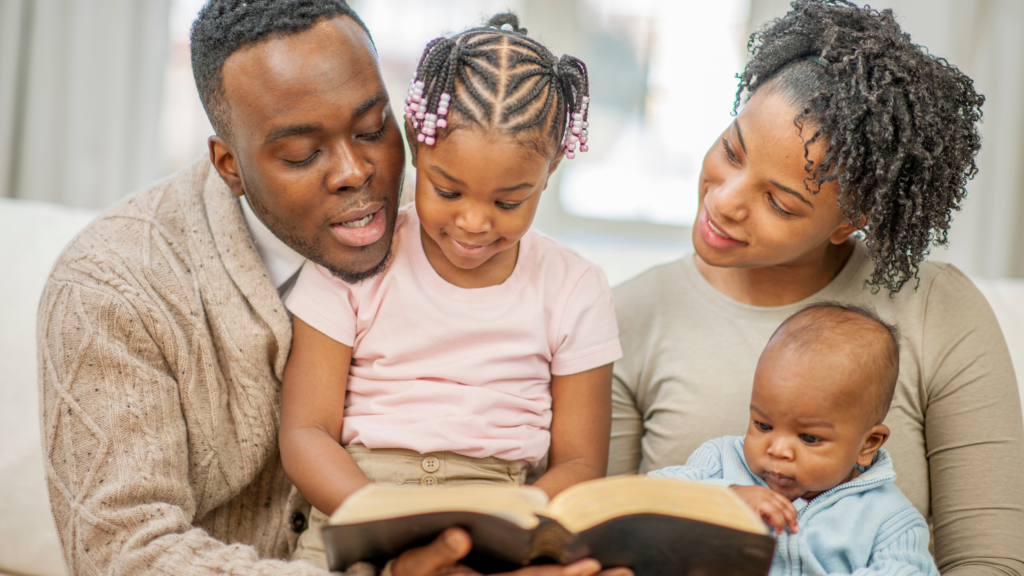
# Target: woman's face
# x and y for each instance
(755, 209)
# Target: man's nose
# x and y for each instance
(351, 170)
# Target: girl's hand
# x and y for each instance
(441, 557)
(774, 509)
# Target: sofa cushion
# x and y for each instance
(32, 235)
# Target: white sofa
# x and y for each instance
(32, 234)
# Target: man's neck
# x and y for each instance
(281, 262)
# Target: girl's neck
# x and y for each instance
(779, 285)
(493, 272)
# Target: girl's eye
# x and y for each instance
(448, 195)
(809, 440)
(775, 206)
(762, 426)
(728, 151)
(300, 163)
(507, 206)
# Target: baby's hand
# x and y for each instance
(774, 509)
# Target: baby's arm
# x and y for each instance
(312, 406)
(580, 429)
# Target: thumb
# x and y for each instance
(439, 556)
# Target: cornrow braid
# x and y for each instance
(497, 78)
(900, 124)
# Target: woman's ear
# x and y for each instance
(846, 229)
(877, 436)
(410, 137)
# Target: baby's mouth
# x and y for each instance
(780, 479)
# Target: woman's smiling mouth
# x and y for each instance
(713, 235)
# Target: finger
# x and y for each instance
(775, 518)
(620, 571)
(789, 512)
(585, 567)
(441, 555)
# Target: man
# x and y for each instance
(162, 337)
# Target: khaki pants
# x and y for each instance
(409, 468)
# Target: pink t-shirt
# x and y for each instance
(437, 367)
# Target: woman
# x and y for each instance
(843, 166)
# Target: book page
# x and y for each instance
(590, 503)
(516, 504)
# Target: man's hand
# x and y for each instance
(774, 509)
(441, 557)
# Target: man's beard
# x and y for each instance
(312, 251)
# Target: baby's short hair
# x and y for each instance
(820, 326)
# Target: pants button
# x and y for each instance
(431, 464)
(429, 480)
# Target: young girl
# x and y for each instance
(485, 345)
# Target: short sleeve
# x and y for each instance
(588, 336)
(325, 303)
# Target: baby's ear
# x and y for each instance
(410, 136)
(877, 436)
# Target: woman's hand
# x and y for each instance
(774, 509)
(441, 557)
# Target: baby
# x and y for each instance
(812, 458)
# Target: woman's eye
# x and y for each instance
(300, 163)
(728, 151)
(775, 206)
(809, 440)
(448, 195)
(762, 426)
(507, 206)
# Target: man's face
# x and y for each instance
(314, 145)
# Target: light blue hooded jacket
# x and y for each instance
(865, 527)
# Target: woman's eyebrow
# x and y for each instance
(789, 190)
(739, 133)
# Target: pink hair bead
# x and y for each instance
(429, 131)
(419, 115)
(442, 123)
(430, 140)
(575, 130)
(569, 154)
(583, 139)
(584, 148)
(421, 137)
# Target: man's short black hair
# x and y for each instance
(225, 26)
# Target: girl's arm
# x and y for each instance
(312, 406)
(580, 427)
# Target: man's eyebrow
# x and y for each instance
(789, 190)
(369, 103)
(743, 144)
(286, 131)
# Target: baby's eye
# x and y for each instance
(448, 195)
(507, 206)
(809, 440)
(762, 426)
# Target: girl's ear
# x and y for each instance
(410, 137)
(877, 436)
(559, 156)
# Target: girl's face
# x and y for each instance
(476, 196)
(755, 210)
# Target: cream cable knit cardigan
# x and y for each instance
(162, 343)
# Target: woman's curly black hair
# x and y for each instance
(901, 124)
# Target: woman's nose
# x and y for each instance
(351, 171)
(730, 199)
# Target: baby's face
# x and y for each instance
(808, 427)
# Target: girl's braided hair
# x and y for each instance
(901, 124)
(500, 79)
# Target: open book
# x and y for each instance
(656, 526)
